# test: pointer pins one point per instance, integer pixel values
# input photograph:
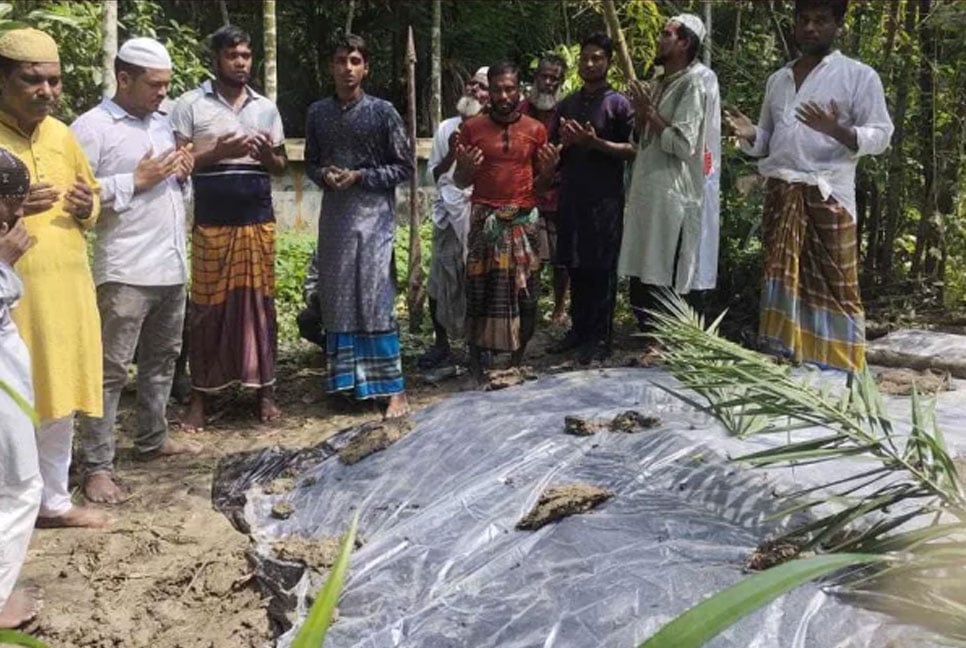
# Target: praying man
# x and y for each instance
(821, 113)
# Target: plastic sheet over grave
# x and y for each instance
(444, 566)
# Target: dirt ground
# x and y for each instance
(172, 572)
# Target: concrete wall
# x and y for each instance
(298, 200)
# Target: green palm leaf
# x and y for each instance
(15, 638)
(710, 617)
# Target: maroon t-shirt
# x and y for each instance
(509, 154)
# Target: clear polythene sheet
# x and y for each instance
(443, 564)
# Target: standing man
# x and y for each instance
(20, 482)
(505, 156)
(451, 219)
(357, 150)
(662, 222)
(140, 267)
(238, 143)
(706, 269)
(542, 106)
(596, 123)
(57, 316)
(821, 113)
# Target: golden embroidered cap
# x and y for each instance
(29, 46)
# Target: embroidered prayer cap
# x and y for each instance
(29, 46)
(693, 23)
(145, 52)
(14, 177)
(481, 74)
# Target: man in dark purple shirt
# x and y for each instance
(594, 128)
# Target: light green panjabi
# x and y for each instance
(667, 188)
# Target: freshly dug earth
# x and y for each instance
(316, 553)
(629, 422)
(771, 553)
(373, 439)
(563, 501)
(498, 379)
(900, 382)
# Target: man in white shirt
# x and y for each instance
(451, 210)
(821, 113)
(706, 268)
(140, 266)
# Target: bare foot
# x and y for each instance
(398, 406)
(194, 420)
(172, 447)
(22, 605)
(268, 410)
(100, 487)
(77, 516)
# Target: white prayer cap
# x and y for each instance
(693, 23)
(481, 74)
(145, 52)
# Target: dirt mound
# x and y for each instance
(316, 553)
(562, 501)
(374, 438)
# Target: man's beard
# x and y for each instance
(468, 106)
(545, 101)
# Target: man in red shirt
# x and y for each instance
(506, 157)
(541, 104)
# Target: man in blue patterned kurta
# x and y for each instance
(357, 151)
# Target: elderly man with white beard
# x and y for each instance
(542, 105)
(447, 272)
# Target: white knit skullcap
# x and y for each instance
(693, 23)
(481, 74)
(145, 52)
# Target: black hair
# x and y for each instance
(133, 71)
(601, 40)
(694, 43)
(227, 37)
(838, 7)
(554, 60)
(349, 43)
(501, 68)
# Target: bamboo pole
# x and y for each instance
(414, 297)
(109, 48)
(708, 41)
(620, 44)
(271, 50)
(436, 72)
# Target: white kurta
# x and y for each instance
(20, 483)
(706, 270)
(662, 220)
(794, 152)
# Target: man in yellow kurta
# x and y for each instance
(57, 316)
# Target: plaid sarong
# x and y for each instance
(232, 334)
(368, 364)
(501, 275)
(811, 310)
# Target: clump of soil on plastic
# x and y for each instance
(279, 486)
(375, 439)
(632, 421)
(503, 378)
(900, 382)
(316, 553)
(282, 510)
(559, 502)
(628, 422)
(771, 553)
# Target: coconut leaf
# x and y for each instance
(710, 617)
(14, 638)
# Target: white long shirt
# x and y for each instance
(451, 206)
(706, 268)
(794, 152)
(18, 446)
(140, 237)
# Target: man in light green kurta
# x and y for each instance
(662, 220)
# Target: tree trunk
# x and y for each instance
(897, 165)
(223, 6)
(349, 16)
(414, 298)
(436, 71)
(927, 240)
(708, 41)
(620, 44)
(271, 51)
(109, 48)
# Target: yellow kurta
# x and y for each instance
(57, 316)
